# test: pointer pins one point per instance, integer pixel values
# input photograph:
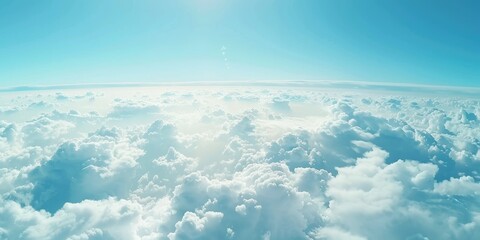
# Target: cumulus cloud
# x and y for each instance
(45, 131)
(243, 163)
(103, 219)
(96, 168)
(463, 186)
(257, 192)
(399, 198)
(130, 109)
(8, 131)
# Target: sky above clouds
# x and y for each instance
(244, 162)
(64, 42)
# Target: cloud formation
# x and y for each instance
(243, 163)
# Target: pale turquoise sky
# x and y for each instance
(103, 41)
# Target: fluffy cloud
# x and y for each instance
(98, 167)
(129, 109)
(244, 163)
(463, 186)
(399, 199)
(103, 219)
(45, 131)
(8, 132)
(248, 204)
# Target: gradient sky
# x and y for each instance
(103, 41)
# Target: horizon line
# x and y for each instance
(371, 85)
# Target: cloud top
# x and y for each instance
(238, 163)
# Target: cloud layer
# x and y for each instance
(238, 163)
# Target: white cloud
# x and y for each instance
(463, 186)
(329, 233)
(104, 219)
(45, 131)
(194, 227)
(96, 168)
(243, 163)
(132, 109)
(396, 199)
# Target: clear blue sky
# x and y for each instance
(103, 41)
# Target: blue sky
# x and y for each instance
(102, 41)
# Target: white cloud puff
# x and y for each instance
(45, 131)
(463, 186)
(131, 109)
(103, 219)
(96, 168)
